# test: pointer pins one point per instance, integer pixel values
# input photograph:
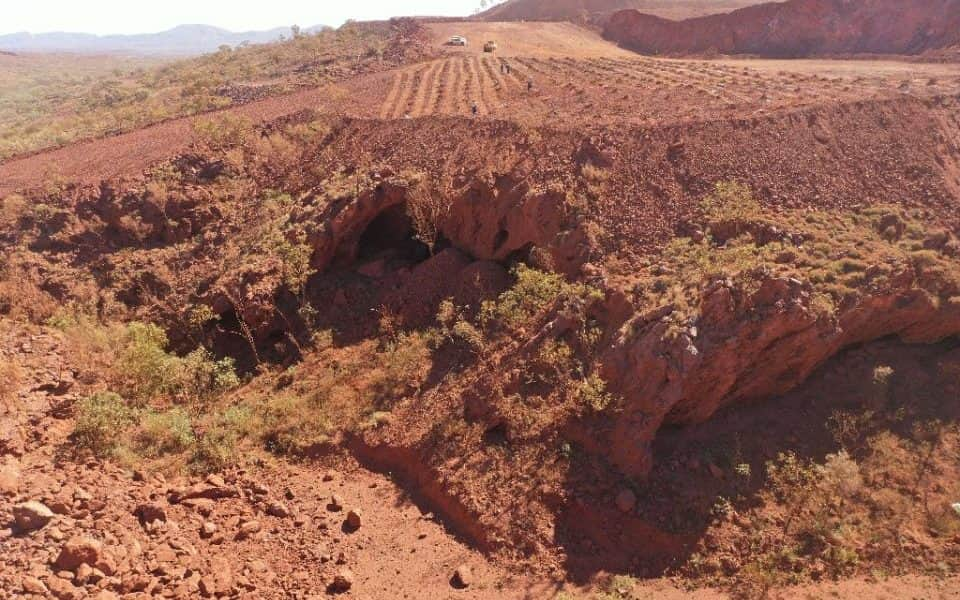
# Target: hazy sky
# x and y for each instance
(131, 16)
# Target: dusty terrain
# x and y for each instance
(579, 80)
(194, 547)
(628, 331)
(399, 551)
(797, 28)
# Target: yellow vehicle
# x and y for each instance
(490, 46)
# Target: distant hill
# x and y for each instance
(598, 10)
(184, 40)
(798, 28)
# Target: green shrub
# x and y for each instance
(164, 433)
(144, 368)
(593, 393)
(216, 448)
(224, 133)
(200, 376)
(289, 424)
(455, 327)
(146, 371)
(553, 362)
(470, 336)
(102, 420)
(730, 200)
(532, 292)
(619, 587)
(401, 366)
(793, 481)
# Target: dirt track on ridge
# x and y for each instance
(98, 159)
(580, 82)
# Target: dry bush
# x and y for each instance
(944, 520)
(428, 210)
(218, 439)
(102, 421)
(222, 134)
(278, 159)
(91, 344)
(289, 424)
(731, 202)
(162, 433)
(135, 360)
(399, 370)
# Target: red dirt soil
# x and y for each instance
(402, 549)
(798, 28)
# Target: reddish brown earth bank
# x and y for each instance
(561, 10)
(798, 28)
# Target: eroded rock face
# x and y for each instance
(489, 220)
(748, 347)
(343, 222)
(798, 28)
(492, 220)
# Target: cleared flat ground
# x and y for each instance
(526, 39)
(875, 69)
(583, 91)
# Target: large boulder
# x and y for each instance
(32, 515)
(79, 551)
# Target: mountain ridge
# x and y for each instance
(182, 40)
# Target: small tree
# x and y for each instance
(427, 210)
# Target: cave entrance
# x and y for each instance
(391, 235)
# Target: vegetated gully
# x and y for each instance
(508, 191)
(499, 218)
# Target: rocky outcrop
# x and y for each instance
(599, 10)
(798, 28)
(748, 347)
(489, 219)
